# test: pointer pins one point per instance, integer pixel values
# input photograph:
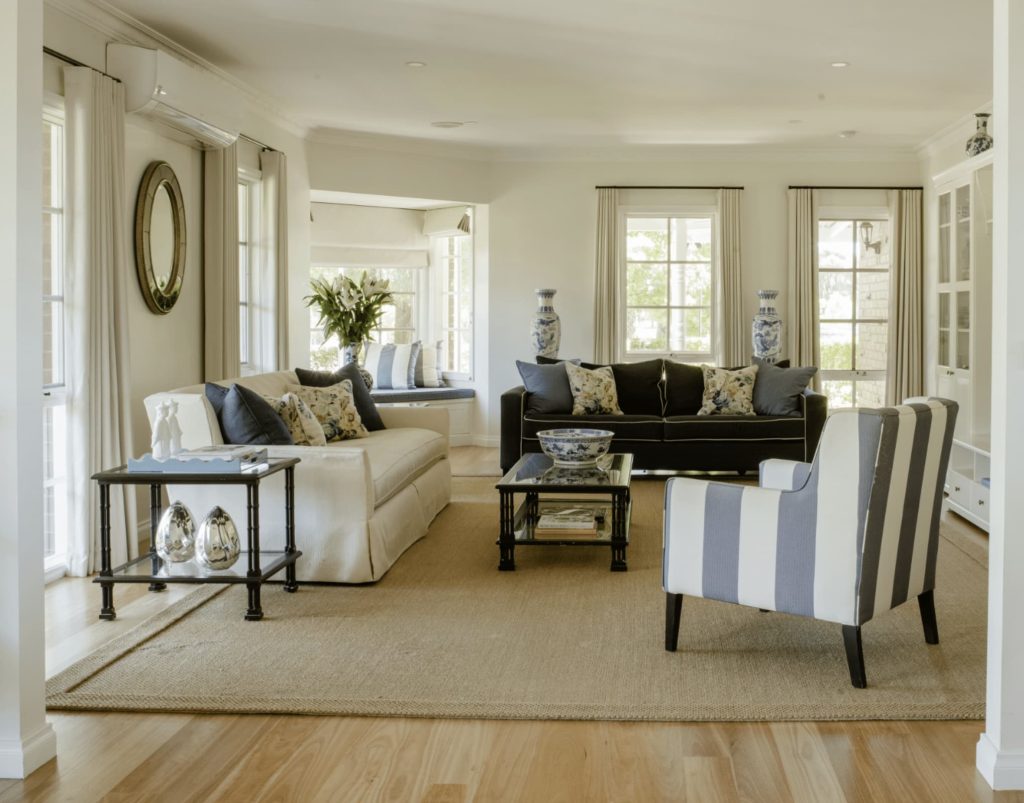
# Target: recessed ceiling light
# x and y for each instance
(847, 134)
(840, 64)
(794, 122)
(415, 64)
(447, 124)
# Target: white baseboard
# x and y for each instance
(21, 759)
(1001, 769)
(487, 441)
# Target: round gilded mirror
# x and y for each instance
(160, 237)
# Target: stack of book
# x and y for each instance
(570, 523)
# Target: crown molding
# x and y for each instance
(951, 134)
(474, 151)
(415, 146)
(122, 27)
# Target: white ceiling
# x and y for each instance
(593, 73)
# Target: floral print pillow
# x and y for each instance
(335, 409)
(728, 392)
(593, 391)
(302, 424)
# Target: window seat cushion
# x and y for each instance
(421, 395)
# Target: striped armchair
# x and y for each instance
(848, 536)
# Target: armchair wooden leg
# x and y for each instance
(673, 611)
(855, 656)
(926, 602)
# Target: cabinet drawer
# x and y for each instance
(979, 501)
(960, 489)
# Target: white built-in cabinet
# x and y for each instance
(963, 347)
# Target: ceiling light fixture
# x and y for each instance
(447, 124)
(415, 64)
(847, 134)
(840, 64)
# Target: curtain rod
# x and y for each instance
(659, 187)
(255, 141)
(833, 187)
(49, 51)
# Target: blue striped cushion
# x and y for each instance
(393, 367)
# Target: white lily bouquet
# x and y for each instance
(349, 309)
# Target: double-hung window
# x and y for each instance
(55, 420)
(250, 339)
(453, 258)
(668, 286)
(853, 309)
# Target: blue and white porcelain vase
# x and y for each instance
(545, 327)
(980, 140)
(767, 329)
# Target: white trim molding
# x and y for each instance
(1001, 769)
(21, 759)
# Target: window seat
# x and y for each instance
(421, 395)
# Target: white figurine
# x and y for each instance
(161, 442)
(174, 428)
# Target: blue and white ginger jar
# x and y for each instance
(545, 327)
(767, 328)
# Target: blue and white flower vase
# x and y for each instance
(980, 140)
(546, 327)
(767, 329)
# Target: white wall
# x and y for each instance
(542, 221)
(367, 227)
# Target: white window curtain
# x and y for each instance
(274, 168)
(606, 284)
(803, 279)
(97, 336)
(905, 363)
(220, 264)
(734, 334)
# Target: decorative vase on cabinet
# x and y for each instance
(545, 327)
(767, 328)
(980, 140)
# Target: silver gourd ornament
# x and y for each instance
(218, 545)
(176, 534)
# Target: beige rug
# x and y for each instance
(444, 634)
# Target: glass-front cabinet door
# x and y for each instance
(954, 281)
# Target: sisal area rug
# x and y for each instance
(444, 634)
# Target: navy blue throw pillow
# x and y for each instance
(247, 419)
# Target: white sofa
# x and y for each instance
(359, 504)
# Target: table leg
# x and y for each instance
(255, 610)
(106, 589)
(155, 509)
(290, 584)
(620, 509)
(507, 534)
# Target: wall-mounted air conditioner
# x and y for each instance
(180, 95)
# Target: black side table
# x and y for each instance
(259, 565)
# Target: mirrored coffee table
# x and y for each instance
(543, 485)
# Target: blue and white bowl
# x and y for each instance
(575, 447)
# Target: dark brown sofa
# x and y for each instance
(677, 439)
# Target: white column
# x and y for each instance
(1001, 747)
(26, 739)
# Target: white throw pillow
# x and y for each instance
(428, 366)
(393, 367)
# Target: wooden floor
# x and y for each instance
(143, 757)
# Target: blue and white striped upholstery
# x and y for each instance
(852, 534)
